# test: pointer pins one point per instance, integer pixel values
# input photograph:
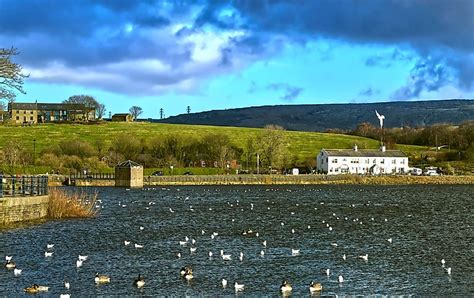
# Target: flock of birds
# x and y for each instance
(190, 243)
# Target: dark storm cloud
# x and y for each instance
(290, 92)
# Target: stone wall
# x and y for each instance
(16, 209)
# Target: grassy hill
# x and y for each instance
(321, 117)
(304, 145)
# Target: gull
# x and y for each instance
(78, 263)
(257, 234)
(202, 232)
(443, 262)
(193, 241)
(138, 245)
(192, 249)
(330, 228)
(183, 243)
(309, 227)
(292, 231)
(262, 253)
(241, 257)
(295, 252)
(225, 257)
(334, 244)
(224, 283)
(49, 246)
(326, 271)
(171, 210)
(64, 296)
(17, 272)
(178, 255)
(364, 257)
(82, 258)
(142, 228)
(67, 285)
(264, 243)
(48, 254)
(210, 254)
(126, 242)
(238, 287)
(8, 258)
(341, 279)
(448, 270)
(381, 118)
(139, 282)
(186, 238)
(212, 236)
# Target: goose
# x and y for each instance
(315, 287)
(17, 272)
(48, 254)
(286, 287)
(10, 264)
(8, 258)
(295, 252)
(224, 283)
(139, 281)
(33, 289)
(138, 245)
(82, 258)
(78, 263)
(341, 279)
(238, 287)
(49, 246)
(67, 285)
(126, 242)
(101, 279)
(364, 257)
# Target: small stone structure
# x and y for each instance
(129, 174)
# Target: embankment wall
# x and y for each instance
(16, 209)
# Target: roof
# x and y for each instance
(128, 164)
(364, 153)
(48, 106)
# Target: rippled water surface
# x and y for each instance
(426, 224)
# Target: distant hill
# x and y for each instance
(321, 117)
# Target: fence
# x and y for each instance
(18, 186)
(93, 176)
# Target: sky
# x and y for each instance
(211, 55)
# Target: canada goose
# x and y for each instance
(238, 287)
(33, 289)
(10, 264)
(139, 282)
(101, 279)
(286, 287)
(315, 287)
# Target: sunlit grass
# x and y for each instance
(70, 205)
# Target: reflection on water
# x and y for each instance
(424, 223)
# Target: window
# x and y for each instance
(18, 112)
(31, 118)
(17, 117)
(31, 112)
(394, 161)
(374, 161)
(402, 161)
(382, 161)
(334, 160)
(24, 112)
(367, 161)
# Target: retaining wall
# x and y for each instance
(16, 209)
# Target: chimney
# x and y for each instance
(355, 147)
(382, 148)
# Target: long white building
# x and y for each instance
(355, 161)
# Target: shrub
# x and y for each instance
(67, 205)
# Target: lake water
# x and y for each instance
(426, 224)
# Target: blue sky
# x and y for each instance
(219, 55)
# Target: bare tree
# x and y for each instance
(11, 77)
(135, 111)
(100, 110)
(87, 100)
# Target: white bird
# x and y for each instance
(334, 244)
(49, 246)
(390, 240)
(344, 257)
(381, 118)
(64, 296)
(241, 257)
(364, 257)
(239, 287)
(126, 242)
(295, 252)
(330, 228)
(182, 243)
(202, 232)
(443, 262)
(292, 231)
(178, 255)
(192, 249)
(48, 254)
(262, 253)
(17, 272)
(139, 282)
(224, 283)
(82, 258)
(448, 270)
(67, 285)
(341, 279)
(264, 243)
(8, 258)
(225, 257)
(210, 254)
(328, 271)
(142, 228)
(171, 210)
(138, 245)
(78, 263)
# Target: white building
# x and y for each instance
(354, 161)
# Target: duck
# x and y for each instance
(285, 287)
(10, 264)
(315, 287)
(101, 279)
(33, 289)
(139, 282)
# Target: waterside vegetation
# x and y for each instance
(63, 204)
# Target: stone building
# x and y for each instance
(125, 117)
(129, 174)
(33, 113)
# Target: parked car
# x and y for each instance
(157, 173)
(431, 171)
(416, 171)
(187, 173)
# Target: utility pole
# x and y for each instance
(162, 113)
(188, 109)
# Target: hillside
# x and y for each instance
(321, 117)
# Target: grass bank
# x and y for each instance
(63, 204)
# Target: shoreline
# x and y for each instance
(56, 180)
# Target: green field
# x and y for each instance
(304, 145)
